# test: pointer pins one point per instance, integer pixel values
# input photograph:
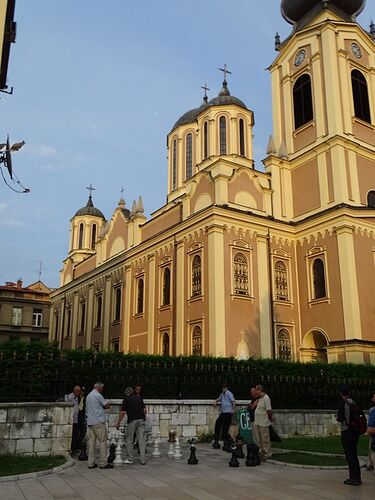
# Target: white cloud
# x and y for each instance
(41, 150)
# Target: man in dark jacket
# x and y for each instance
(349, 437)
(135, 409)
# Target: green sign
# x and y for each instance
(243, 419)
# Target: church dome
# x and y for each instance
(294, 10)
(189, 116)
(89, 209)
(224, 98)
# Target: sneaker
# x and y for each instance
(108, 466)
(93, 466)
(128, 461)
(143, 462)
(352, 482)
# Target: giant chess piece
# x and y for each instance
(239, 450)
(234, 461)
(177, 450)
(216, 445)
(112, 453)
(170, 452)
(82, 457)
(118, 458)
(192, 460)
(156, 452)
(253, 456)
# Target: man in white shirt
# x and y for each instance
(96, 428)
(262, 421)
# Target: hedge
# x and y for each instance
(42, 372)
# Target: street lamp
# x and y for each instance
(6, 160)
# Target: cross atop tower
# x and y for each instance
(226, 72)
(205, 88)
(91, 189)
(122, 191)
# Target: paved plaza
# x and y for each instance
(211, 479)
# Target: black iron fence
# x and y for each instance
(47, 374)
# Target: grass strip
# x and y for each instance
(11, 465)
(306, 459)
(330, 444)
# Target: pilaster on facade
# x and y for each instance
(349, 284)
(179, 326)
(89, 313)
(127, 309)
(151, 303)
(265, 325)
(107, 312)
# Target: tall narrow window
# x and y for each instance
(83, 316)
(241, 274)
(117, 304)
(166, 286)
(99, 304)
(284, 346)
(80, 236)
(319, 281)
(302, 99)
(140, 296)
(371, 199)
(205, 140)
(93, 236)
(17, 316)
(223, 135)
(56, 326)
(241, 127)
(196, 276)
(165, 346)
(197, 341)
(189, 156)
(174, 164)
(360, 96)
(37, 317)
(281, 281)
(116, 347)
(68, 321)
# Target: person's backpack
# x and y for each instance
(357, 419)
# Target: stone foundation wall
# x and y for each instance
(35, 428)
(191, 418)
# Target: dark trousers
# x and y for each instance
(222, 424)
(349, 440)
(75, 435)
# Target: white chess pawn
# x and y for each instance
(118, 459)
(170, 452)
(156, 452)
(177, 450)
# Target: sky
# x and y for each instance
(98, 84)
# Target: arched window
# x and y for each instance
(284, 346)
(281, 281)
(140, 296)
(241, 127)
(197, 341)
(302, 99)
(83, 316)
(165, 344)
(116, 347)
(99, 303)
(223, 135)
(189, 156)
(240, 274)
(117, 315)
(371, 199)
(80, 236)
(205, 140)
(360, 96)
(166, 286)
(196, 276)
(319, 281)
(174, 164)
(93, 236)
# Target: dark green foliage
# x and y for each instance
(43, 372)
(11, 465)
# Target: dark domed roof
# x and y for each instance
(189, 116)
(294, 10)
(89, 209)
(224, 98)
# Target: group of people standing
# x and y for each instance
(260, 410)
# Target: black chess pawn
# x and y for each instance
(192, 460)
(227, 446)
(112, 453)
(234, 461)
(82, 457)
(253, 456)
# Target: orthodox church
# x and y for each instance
(241, 262)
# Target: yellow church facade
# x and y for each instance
(241, 262)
